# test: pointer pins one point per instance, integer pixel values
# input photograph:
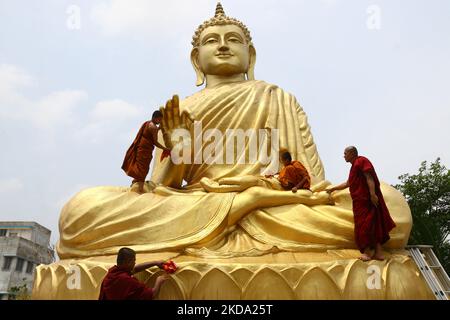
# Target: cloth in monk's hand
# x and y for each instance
(119, 284)
(292, 174)
(170, 267)
(164, 154)
(372, 223)
(139, 155)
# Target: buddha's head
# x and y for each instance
(222, 46)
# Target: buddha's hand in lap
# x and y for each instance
(234, 184)
(172, 120)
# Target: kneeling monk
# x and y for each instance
(138, 157)
(293, 175)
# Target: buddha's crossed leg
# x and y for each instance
(252, 194)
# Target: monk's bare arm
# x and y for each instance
(159, 281)
(371, 184)
(142, 266)
(341, 186)
(302, 182)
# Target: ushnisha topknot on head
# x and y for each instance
(219, 19)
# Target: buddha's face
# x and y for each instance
(223, 50)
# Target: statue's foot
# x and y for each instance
(233, 184)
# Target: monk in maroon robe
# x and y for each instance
(371, 215)
(139, 155)
(119, 284)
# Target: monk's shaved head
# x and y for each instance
(157, 114)
(350, 154)
(286, 156)
(125, 255)
(352, 149)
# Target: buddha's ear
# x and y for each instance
(195, 64)
(251, 64)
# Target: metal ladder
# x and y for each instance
(432, 270)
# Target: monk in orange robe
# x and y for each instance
(371, 215)
(119, 284)
(139, 155)
(293, 175)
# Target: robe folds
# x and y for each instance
(119, 284)
(372, 223)
(101, 220)
(293, 173)
(139, 155)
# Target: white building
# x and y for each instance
(23, 246)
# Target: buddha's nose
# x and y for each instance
(223, 46)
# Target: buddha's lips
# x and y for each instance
(224, 55)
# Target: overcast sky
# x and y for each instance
(77, 79)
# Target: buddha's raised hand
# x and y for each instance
(172, 120)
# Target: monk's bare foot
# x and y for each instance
(365, 257)
(378, 257)
(141, 188)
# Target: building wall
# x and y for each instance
(27, 241)
(28, 230)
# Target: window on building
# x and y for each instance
(30, 266)
(7, 263)
(13, 234)
(19, 264)
(3, 232)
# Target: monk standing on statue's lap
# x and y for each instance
(138, 157)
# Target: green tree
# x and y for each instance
(428, 196)
(19, 292)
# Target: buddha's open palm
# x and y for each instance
(172, 120)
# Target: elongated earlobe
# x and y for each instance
(200, 75)
(251, 65)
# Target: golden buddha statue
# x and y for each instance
(223, 221)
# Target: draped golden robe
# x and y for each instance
(98, 221)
